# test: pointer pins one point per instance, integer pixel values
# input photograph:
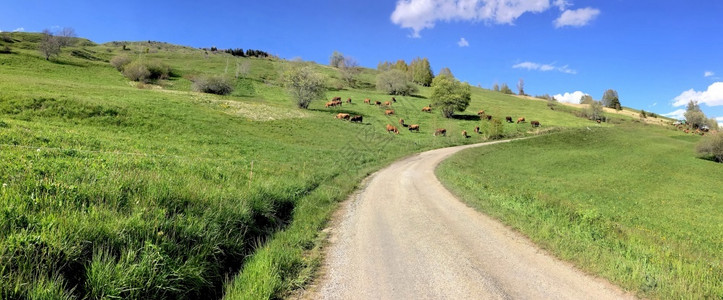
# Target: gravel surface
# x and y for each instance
(404, 236)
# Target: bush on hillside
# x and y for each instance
(158, 70)
(394, 82)
(304, 84)
(137, 71)
(711, 147)
(218, 85)
(119, 62)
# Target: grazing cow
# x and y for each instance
(414, 127)
(356, 118)
(367, 101)
(387, 103)
(401, 122)
(464, 134)
(489, 117)
(598, 121)
(348, 100)
(389, 112)
(337, 98)
(427, 109)
(337, 102)
(329, 104)
(687, 131)
(378, 103)
(535, 123)
(522, 119)
(476, 129)
(391, 128)
(508, 119)
(342, 116)
(394, 99)
(441, 131)
(481, 113)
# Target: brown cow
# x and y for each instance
(441, 131)
(521, 119)
(348, 100)
(378, 102)
(535, 123)
(394, 99)
(389, 112)
(476, 129)
(401, 122)
(489, 117)
(342, 116)
(337, 102)
(337, 98)
(387, 103)
(414, 127)
(356, 118)
(367, 101)
(427, 109)
(508, 119)
(598, 121)
(391, 128)
(464, 134)
(481, 113)
(329, 104)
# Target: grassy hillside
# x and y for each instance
(630, 203)
(114, 189)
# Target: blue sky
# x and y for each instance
(656, 54)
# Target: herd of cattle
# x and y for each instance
(336, 101)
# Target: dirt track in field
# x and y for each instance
(405, 236)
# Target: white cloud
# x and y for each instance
(576, 17)
(573, 97)
(708, 74)
(720, 121)
(713, 96)
(421, 14)
(561, 4)
(654, 104)
(463, 42)
(19, 29)
(677, 114)
(533, 66)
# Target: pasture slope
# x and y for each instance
(630, 203)
(111, 188)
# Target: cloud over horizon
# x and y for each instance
(713, 96)
(708, 74)
(422, 14)
(463, 42)
(677, 114)
(533, 66)
(573, 97)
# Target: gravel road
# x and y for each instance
(404, 236)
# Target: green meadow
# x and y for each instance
(630, 203)
(113, 189)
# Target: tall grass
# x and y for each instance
(109, 191)
(632, 204)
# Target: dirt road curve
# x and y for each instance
(404, 236)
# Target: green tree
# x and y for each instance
(450, 95)
(643, 114)
(694, 116)
(506, 89)
(610, 97)
(421, 71)
(394, 82)
(586, 99)
(446, 71)
(594, 111)
(401, 65)
(384, 66)
(496, 87)
(304, 85)
(712, 146)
